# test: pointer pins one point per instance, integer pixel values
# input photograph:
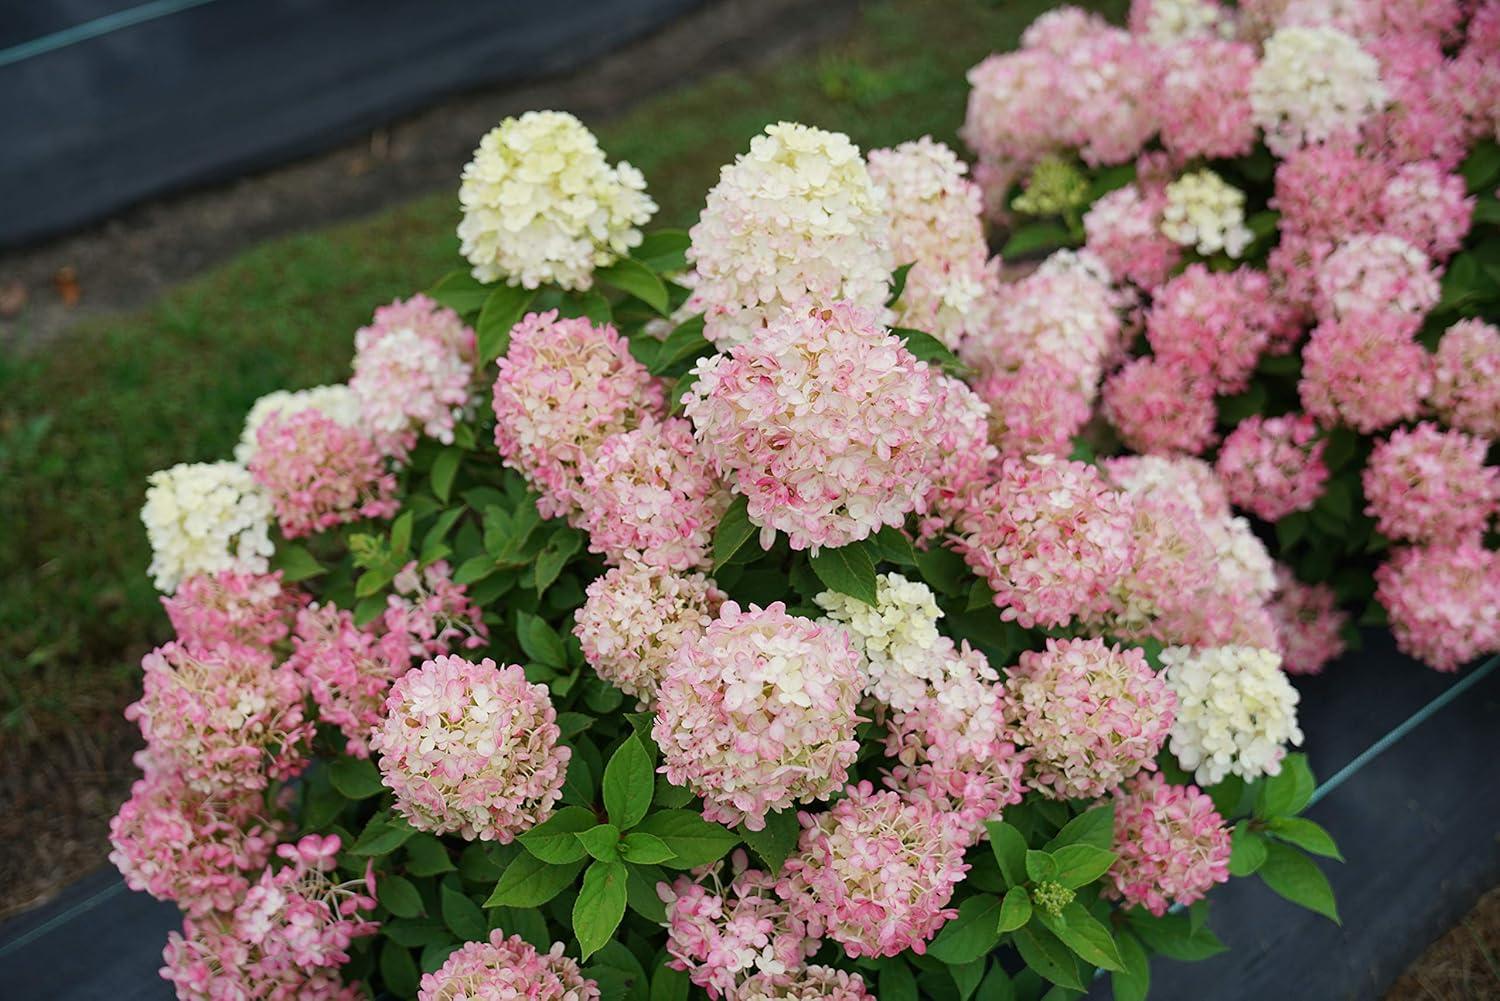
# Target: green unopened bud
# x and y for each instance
(1056, 186)
(1052, 897)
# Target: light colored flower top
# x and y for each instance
(1205, 212)
(1312, 84)
(1236, 711)
(337, 402)
(205, 517)
(503, 969)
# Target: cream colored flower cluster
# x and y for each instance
(906, 657)
(1236, 711)
(205, 517)
(1313, 83)
(1206, 213)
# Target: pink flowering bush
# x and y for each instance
(1430, 485)
(1272, 466)
(319, 473)
(1171, 842)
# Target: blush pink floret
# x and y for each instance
(232, 607)
(1443, 602)
(1170, 842)
(319, 473)
(1429, 485)
(503, 969)
(1273, 466)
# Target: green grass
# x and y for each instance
(83, 421)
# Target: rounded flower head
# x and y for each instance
(338, 403)
(505, 968)
(1214, 323)
(1272, 466)
(472, 749)
(824, 422)
(1034, 410)
(1443, 602)
(319, 473)
(205, 517)
(1236, 711)
(1429, 485)
(1429, 92)
(1428, 207)
(1375, 273)
(1330, 190)
(541, 204)
(348, 671)
(1124, 231)
(1309, 624)
(1466, 378)
(1170, 842)
(795, 222)
(1204, 212)
(650, 496)
(759, 712)
(564, 386)
(230, 607)
(1160, 407)
(430, 613)
(635, 619)
(413, 369)
(963, 453)
(1366, 370)
(936, 228)
(1091, 715)
(1166, 22)
(810, 983)
(875, 873)
(896, 634)
(1050, 538)
(1203, 98)
(1312, 84)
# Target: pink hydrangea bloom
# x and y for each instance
(964, 453)
(1309, 624)
(1475, 74)
(759, 712)
(348, 671)
(1170, 842)
(1365, 370)
(222, 717)
(1049, 536)
(413, 370)
(1294, 264)
(504, 968)
(876, 872)
(319, 473)
(563, 387)
(1272, 466)
(1124, 230)
(1443, 601)
(1160, 407)
(1425, 120)
(200, 850)
(1466, 378)
(1202, 98)
(471, 749)
(727, 932)
(1092, 715)
(1427, 207)
(432, 613)
(1376, 272)
(1035, 409)
(810, 983)
(650, 496)
(635, 619)
(1216, 324)
(1430, 485)
(1329, 190)
(232, 607)
(1012, 119)
(824, 422)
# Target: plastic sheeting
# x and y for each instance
(227, 86)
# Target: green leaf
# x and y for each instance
(1015, 909)
(554, 556)
(670, 797)
(401, 535)
(530, 882)
(1174, 936)
(1133, 982)
(847, 570)
(733, 531)
(1034, 237)
(578, 783)
(1298, 878)
(893, 546)
(970, 935)
(640, 892)
(399, 971)
(1085, 935)
(463, 915)
(1079, 865)
(645, 849)
(634, 278)
(1247, 850)
(398, 895)
(668, 984)
(1041, 951)
(296, 563)
(896, 981)
(996, 986)
(898, 284)
(1040, 865)
(685, 341)
(664, 250)
(628, 784)
(502, 310)
(1094, 827)
(925, 347)
(381, 837)
(1227, 794)
(355, 778)
(460, 292)
(444, 469)
(602, 841)
(427, 856)
(415, 933)
(1288, 792)
(693, 840)
(540, 641)
(553, 840)
(1482, 167)
(599, 907)
(776, 842)
(966, 977)
(1010, 851)
(1307, 835)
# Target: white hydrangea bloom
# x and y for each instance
(1236, 711)
(1313, 82)
(1207, 213)
(338, 403)
(1167, 22)
(541, 204)
(1242, 562)
(205, 517)
(795, 220)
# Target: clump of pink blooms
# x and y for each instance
(1170, 842)
(1160, 407)
(287, 938)
(348, 670)
(963, 452)
(1215, 324)
(563, 387)
(1466, 378)
(232, 607)
(1273, 466)
(504, 968)
(1373, 273)
(431, 612)
(1049, 536)
(1309, 624)
(1427, 207)
(413, 369)
(824, 422)
(1365, 370)
(471, 749)
(1090, 714)
(319, 473)
(1203, 98)
(635, 619)
(650, 496)
(1425, 119)
(1123, 230)
(758, 713)
(1443, 601)
(1425, 484)
(810, 983)
(1034, 409)
(876, 872)
(1329, 191)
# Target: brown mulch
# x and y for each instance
(1463, 965)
